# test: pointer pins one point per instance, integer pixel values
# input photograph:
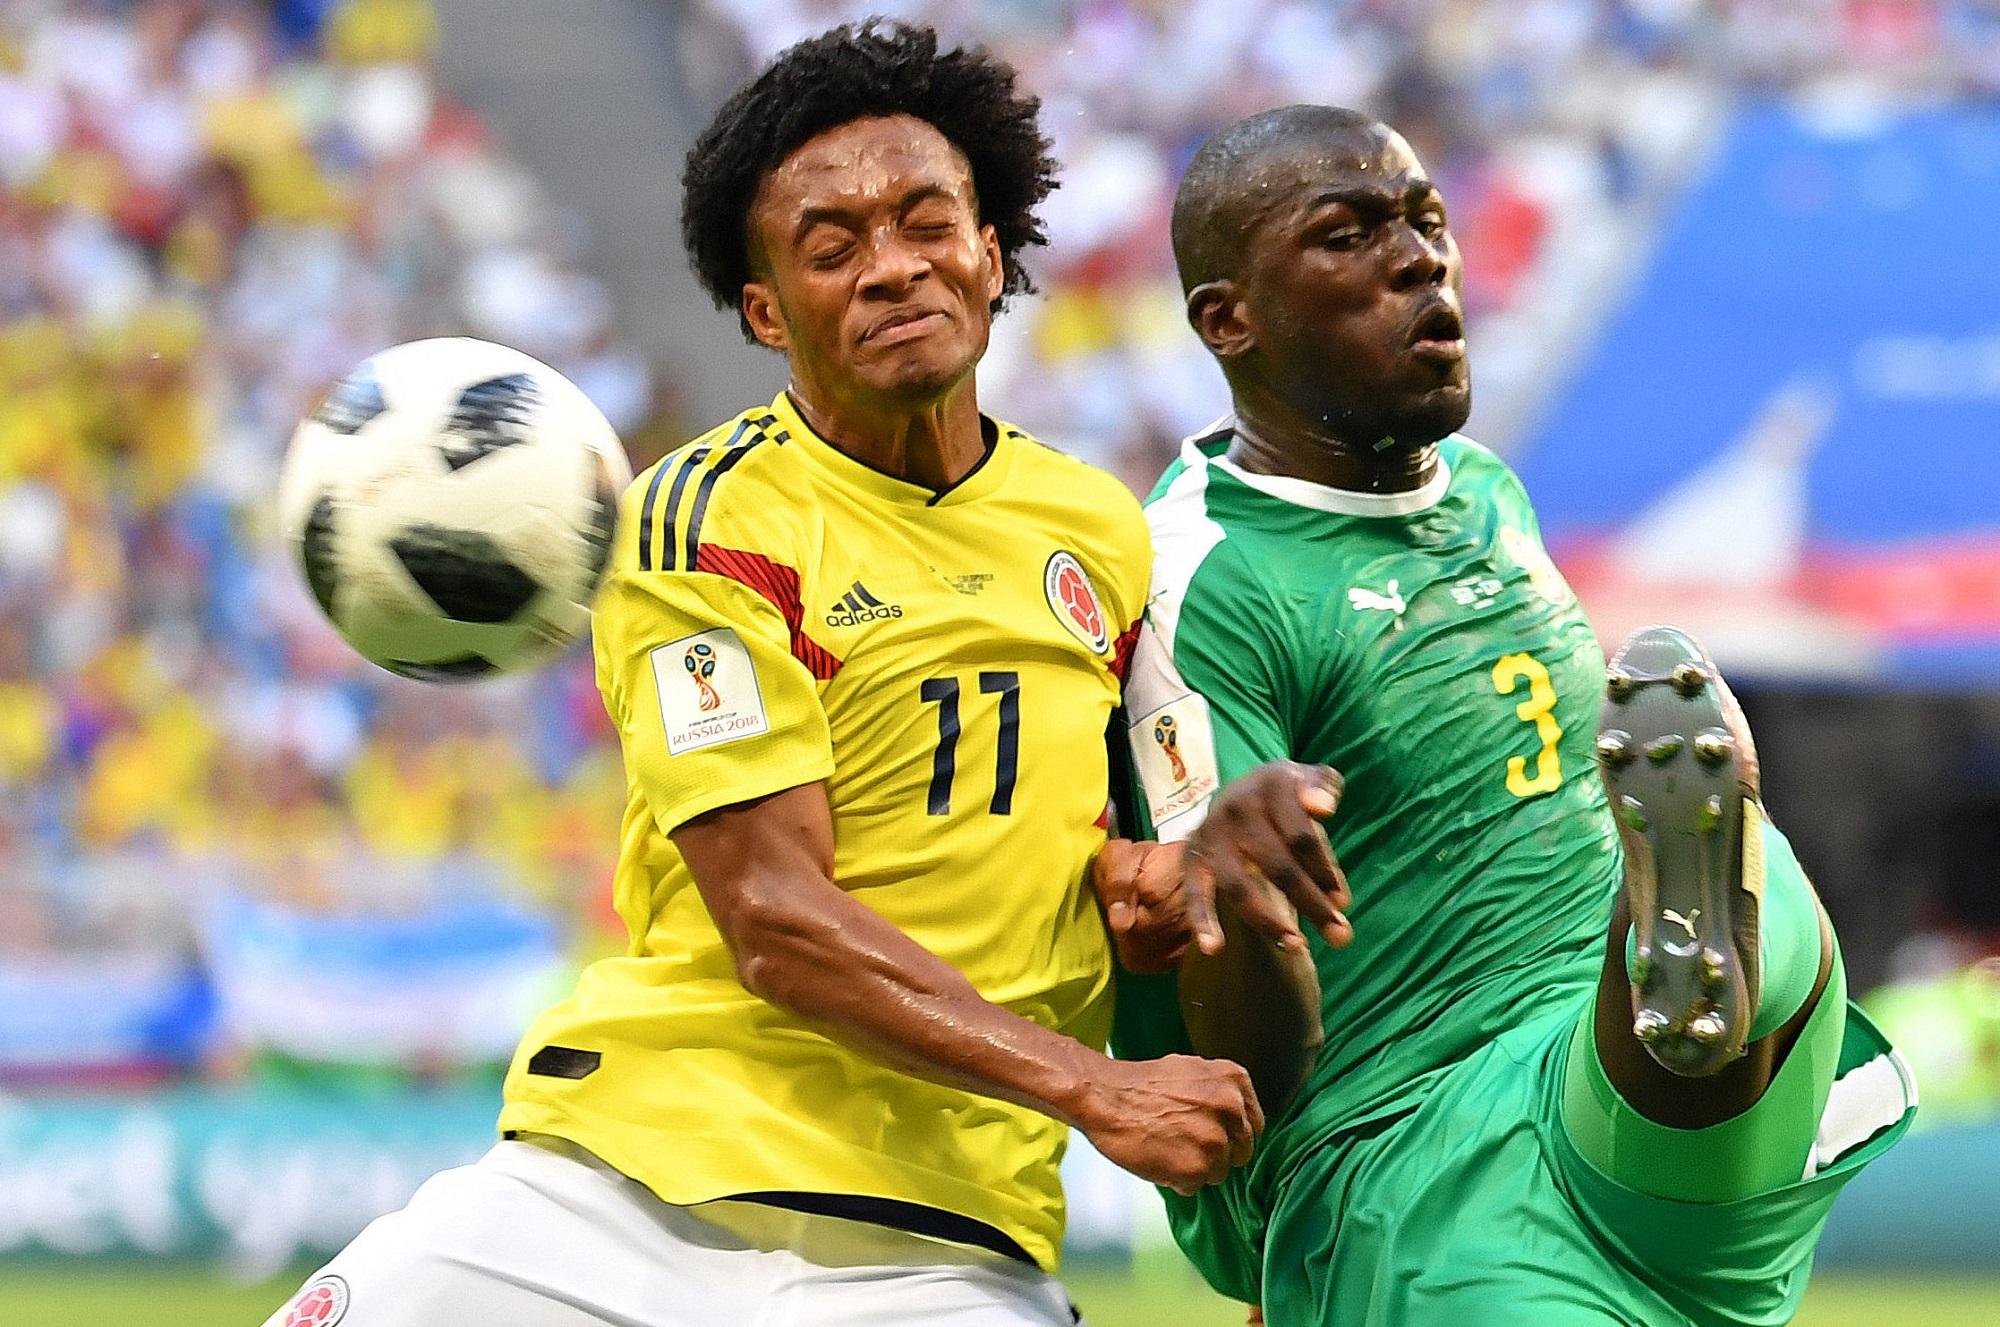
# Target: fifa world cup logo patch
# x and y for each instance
(700, 661)
(321, 1304)
(1168, 735)
(725, 704)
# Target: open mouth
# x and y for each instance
(1442, 323)
(1439, 334)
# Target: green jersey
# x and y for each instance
(1423, 644)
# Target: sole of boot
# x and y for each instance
(1682, 780)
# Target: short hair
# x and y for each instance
(854, 72)
(1214, 204)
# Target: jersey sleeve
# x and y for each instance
(1204, 701)
(1202, 706)
(699, 674)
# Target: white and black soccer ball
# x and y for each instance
(452, 503)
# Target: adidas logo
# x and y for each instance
(858, 606)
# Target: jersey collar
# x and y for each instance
(982, 480)
(1320, 497)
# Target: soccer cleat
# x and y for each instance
(1683, 816)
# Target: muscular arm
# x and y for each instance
(765, 871)
(1223, 908)
(765, 867)
(1257, 1005)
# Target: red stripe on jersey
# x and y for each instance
(779, 584)
(1121, 650)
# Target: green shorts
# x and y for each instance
(1477, 1207)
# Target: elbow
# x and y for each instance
(769, 944)
(765, 974)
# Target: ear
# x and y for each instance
(766, 318)
(1221, 318)
(996, 266)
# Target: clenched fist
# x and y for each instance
(1260, 849)
(1145, 904)
(1180, 1122)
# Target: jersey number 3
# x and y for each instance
(1539, 709)
(943, 692)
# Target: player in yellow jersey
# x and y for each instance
(862, 646)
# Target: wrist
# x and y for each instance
(1074, 1084)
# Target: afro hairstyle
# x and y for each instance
(854, 72)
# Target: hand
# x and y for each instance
(1261, 849)
(1139, 886)
(1180, 1122)
(1256, 1318)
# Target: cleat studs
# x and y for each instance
(1688, 679)
(1711, 968)
(1614, 748)
(1642, 967)
(1710, 814)
(1650, 1025)
(1619, 684)
(1632, 812)
(1662, 749)
(1713, 746)
(1707, 1029)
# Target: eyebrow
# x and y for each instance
(1373, 198)
(848, 216)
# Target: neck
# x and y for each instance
(1273, 438)
(932, 445)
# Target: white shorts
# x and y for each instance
(528, 1238)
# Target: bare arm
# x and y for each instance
(1254, 1002)
(1224, 908)
(1254, 997)
(764, 868)
(1256, 1005)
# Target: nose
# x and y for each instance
(1419, 260)
(893, 266)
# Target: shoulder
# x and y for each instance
(728, 486)
(1069, 480)
(1472, 460)
(1477, 469)
(1094, 505)
(1187, 536)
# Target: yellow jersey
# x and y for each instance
(777, 613)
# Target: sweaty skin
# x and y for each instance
(1337, 323)
(1343, 332)
(874, 276)
(765, 869)
(876, 279)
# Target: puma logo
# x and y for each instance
(1685, 923)
(1392, 602)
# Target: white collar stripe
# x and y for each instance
(1322, 497)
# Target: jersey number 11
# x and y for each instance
(943, 692)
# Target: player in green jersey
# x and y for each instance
(1517, 1115)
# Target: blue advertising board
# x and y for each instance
(1791, 426)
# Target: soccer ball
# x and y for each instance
(452, 504)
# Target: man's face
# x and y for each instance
(873, 273)
(1350, 289)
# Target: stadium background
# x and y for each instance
(269, 920)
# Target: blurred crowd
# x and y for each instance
(1553, 126)
(209, 209)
